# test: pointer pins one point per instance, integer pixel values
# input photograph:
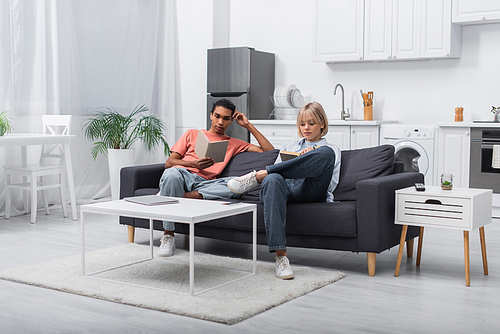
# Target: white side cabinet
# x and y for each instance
(476, 11)
(454, 154)
(338, 31)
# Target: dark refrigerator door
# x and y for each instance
(228, 71)
(234, 130)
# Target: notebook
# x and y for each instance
(152, 200)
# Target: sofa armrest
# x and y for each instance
(137, 177)
(375, 209)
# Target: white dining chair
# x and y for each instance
(33, 175)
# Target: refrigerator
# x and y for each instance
(244, 76)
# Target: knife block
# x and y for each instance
(369, 113)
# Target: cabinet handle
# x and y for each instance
(352, 130)
(388, 56)
(360, 58)
(272, 133)
(394, 56)
(482, 18)
(466, 133)
(447, 54)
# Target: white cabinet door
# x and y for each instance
(406, 29)
(392, 29)
(378, 29)
(338, 34)
(476, 11)
(440, 38)
(277, 134)
(364, 136)
(339, 135)
(454, 154)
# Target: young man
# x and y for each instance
(186, 175)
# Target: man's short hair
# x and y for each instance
(224, 104)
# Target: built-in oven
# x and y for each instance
(483, 173)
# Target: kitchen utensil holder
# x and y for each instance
(368, 113)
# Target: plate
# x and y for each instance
(297, 99)
(276, 95)
(289, 93)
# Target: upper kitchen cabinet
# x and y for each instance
(338, 30)
(476, 12)
(440, 38)
(392, 29)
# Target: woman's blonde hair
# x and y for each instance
(315, 111)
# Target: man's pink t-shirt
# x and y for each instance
(186, 144)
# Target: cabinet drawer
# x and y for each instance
(429, 210)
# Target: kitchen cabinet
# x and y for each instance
(440, 38)
(340, 136)
(476, 12)
(392, 29)
(338, 30)
(346, 137)
(454, 154)
(277, 134)
(376, 30)
(364, 136)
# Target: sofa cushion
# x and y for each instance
(246, 162)
(360, 165)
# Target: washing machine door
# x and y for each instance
(413, 156)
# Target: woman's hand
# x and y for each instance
(304, 151)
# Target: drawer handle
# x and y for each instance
(433, 201)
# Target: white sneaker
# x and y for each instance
(283, 269)
(242, 184)
(167, 246)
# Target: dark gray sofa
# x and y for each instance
(361, 219)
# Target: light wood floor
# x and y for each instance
(429, 299)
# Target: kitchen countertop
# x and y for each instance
(330, 122)
(469, 125)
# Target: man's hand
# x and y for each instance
(203, 163)
(241, 119)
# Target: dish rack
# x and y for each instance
(284, 112)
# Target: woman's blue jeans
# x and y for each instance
(304, 179)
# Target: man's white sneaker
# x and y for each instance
(167, 246)
(244, 183)
(283, 269)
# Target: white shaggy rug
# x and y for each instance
(228, 304)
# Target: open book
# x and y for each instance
(288, 155)
(215, 150)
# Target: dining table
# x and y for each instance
(23, 140)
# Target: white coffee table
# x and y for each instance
(465, 209)
(187, 211)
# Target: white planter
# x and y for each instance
(117, 159)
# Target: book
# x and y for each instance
(205, 148)
(152, 200)
(288, 155)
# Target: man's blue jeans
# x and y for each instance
(304, 179)
(176, 181)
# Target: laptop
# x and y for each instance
(152, 200)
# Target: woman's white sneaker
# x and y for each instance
(167, 245)
(283, 269)
(242, 184)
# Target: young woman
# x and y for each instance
(310, 177)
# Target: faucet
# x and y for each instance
(343, 114)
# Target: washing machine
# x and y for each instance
(414, 146)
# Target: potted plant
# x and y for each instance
(115, 135)
(5, 123)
